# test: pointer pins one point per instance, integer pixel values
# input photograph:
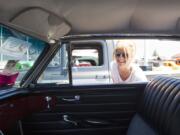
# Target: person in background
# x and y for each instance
(123, 70)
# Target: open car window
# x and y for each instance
(18, 53)
(95, 62)
(157, 57)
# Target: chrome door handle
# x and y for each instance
(65, 118)
(76, 98)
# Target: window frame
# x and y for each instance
(75, 38)
(88, 45)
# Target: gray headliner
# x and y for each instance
(105, 16)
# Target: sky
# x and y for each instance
(164, 48)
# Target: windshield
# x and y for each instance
(18, 53)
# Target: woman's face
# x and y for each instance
(122, 58)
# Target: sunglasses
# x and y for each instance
(121, 54)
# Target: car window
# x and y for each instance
(157, 57)
(87, 62)
(85, 57)
(18, 53)
(95, 62)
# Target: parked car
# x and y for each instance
(65, 92)
(172, 65)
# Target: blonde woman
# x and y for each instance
(122, 68)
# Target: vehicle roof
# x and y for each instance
(44, 18)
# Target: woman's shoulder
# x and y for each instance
(138, 73)
(136, 68)
(113, 64)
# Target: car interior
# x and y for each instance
(28, 107)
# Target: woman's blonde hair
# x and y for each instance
(126, 46)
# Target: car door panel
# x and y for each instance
(104, 110)
(17, 104)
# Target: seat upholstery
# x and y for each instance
(159, 111)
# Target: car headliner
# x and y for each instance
(97, 16)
